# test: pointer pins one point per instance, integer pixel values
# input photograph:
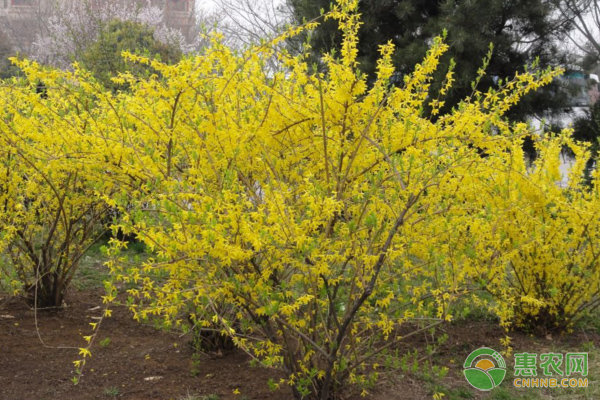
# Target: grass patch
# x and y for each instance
(92, 272)
(197, 397)
(111, 391)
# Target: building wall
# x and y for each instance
(180, 14)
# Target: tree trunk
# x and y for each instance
(48, 292)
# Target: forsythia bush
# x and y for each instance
(535, 249)
(311, 218)
(50, 212)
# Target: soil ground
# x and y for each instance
(129, 360)
(137, 362)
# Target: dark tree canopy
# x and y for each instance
(521, 31)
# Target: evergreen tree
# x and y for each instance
(520, 30)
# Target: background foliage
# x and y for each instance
(104, 56)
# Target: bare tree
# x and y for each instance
(21, 21)
(251, 22)
(247, 22)
(585, 18)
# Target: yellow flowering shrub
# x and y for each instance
(311, 218)
(307, 216)
(50, 212)
(535, 246)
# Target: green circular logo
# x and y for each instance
(484, 369)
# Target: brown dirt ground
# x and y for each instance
(31, 370)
